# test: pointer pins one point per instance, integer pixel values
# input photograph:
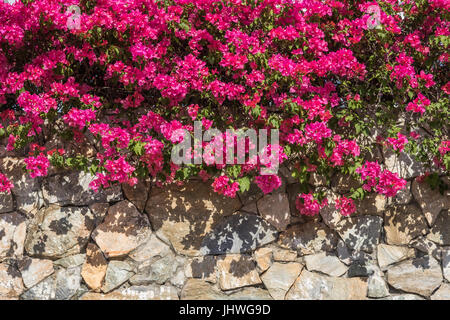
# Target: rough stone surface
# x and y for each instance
(71, 261)
(26, 190)
(236, 271)
(151, 292)
(196, 289)
(44, 290)
(12, 235)
(263, 258)
(404, 223)
(421, 275)
(150, 251)
(284, 255)
(404, 196)
(117, 273)
(313, 286)
(443, 293)
(35, 270)
(404, 165)
(432, 202)
(377, 287)
(6, 202)
(440, 232)
(372, 204)
(280, 277)
(203, 268)
(158, 272)
(275, 209)
(57, 232)
(11, 285)
(73, 189)
(361, 233)
(94, 269)
(122, 231)
(308, 238)
(238, 233)
(388, 255)
(325, 263)
(67, 283)
(137, 194)
(184, 215)
(446, 264)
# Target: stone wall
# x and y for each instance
(59, 240)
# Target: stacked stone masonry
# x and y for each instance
(59, 240)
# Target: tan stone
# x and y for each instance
(274, 208)
(196, 289)
(183, 215)
(443, 293)
(432, 202)
(325, 263)
(150, 292)
(263, 258)
(12, 235)
(35, 270)
(237, 271)
(284, 255)
(122, 231)
(94, 268)
(387, 254)
(404, 223)
(11, 285)
(420, 275)
(313, 286)
(280, 277)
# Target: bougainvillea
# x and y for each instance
(119, 80)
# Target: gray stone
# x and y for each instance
(404, 196)
(432, 202)
(122, 231)
(57, 232)
(12, 235)
(67, 283)
(117, 273)
(426, 246)
(372, 204)
(137, 194)
(406, 296)
(26, 190)
(440, 232)
(160, 271)
(377, 287)
(421, 275)
(73, 189)
(238, 233)
(183, 215)
(308, 238)
(325, 263)
(71, 261)
(150, 251)
(403, 164)
(274, 208)
(313, 286)
(404, 223)
(6, 202)
(361, 233)
(280, 277)
(44, 290)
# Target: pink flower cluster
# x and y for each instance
(345, 206)
(307, 205)
(5, 184)
(223, 186)
(37, 166)
(382, 181)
